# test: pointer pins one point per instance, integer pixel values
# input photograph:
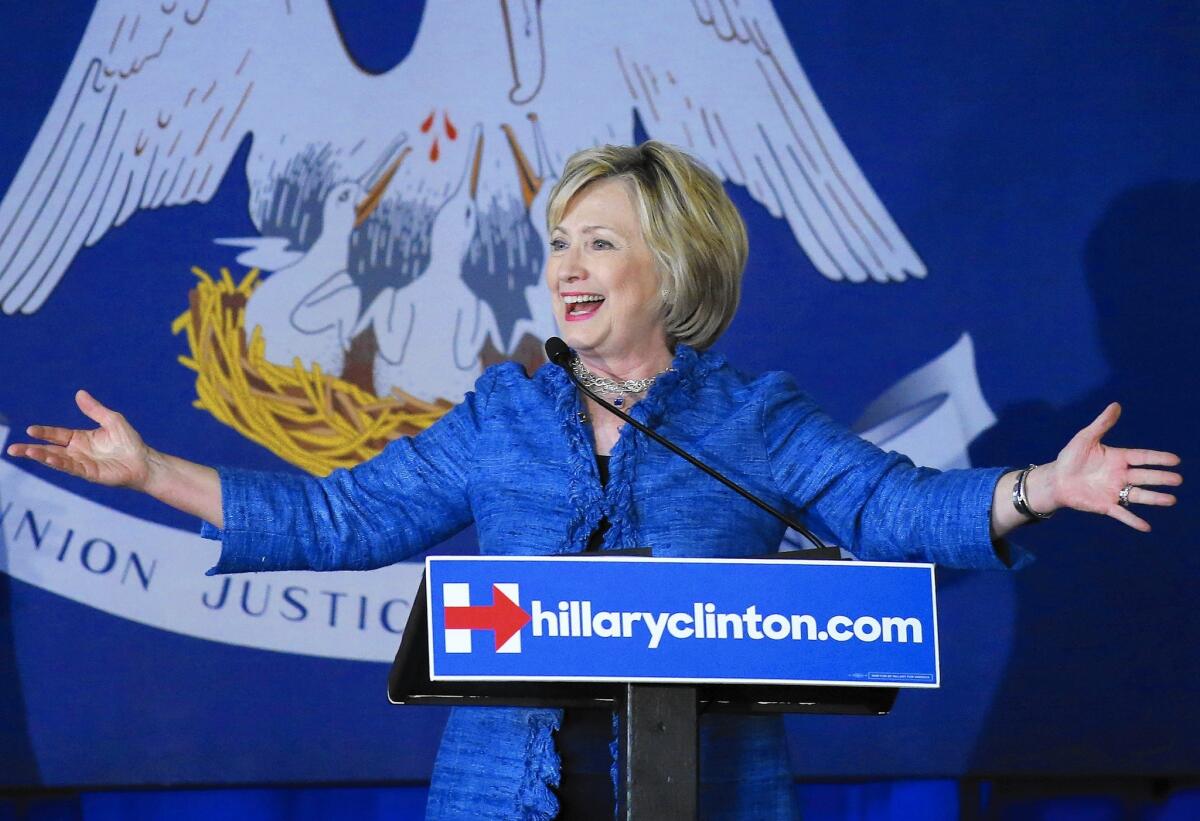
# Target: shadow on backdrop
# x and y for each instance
(1102, 674)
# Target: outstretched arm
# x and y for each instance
(115, 455)
(1090, 476)
(880, 507)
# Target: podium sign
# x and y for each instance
(681, 621)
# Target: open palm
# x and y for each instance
(1089, 475)
(112, 454)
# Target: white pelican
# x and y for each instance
(307, 307)
(430, 332)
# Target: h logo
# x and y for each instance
(504, 617)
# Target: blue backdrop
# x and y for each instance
(1041, 159)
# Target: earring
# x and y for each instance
(666, 294)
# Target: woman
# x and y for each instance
(644, 271)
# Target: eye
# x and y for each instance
(558, 244)
(601, 244)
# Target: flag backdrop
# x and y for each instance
(972, 225)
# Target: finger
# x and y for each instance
(1124, 516)
(1141, 496)
(38, 452)
(50, 456)
(1141, 456)
(59, 436)
(92, 408)
(1144, 476)
(1103, 423)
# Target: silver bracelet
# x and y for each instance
(1021, 503)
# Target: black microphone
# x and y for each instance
(558, 353)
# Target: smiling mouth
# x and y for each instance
(581, 306)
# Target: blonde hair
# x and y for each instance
(692, 228)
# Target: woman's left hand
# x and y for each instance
(1089, 475)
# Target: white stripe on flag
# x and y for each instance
(457, 594)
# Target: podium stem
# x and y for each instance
(659, 754)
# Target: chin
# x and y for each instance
(576, 340)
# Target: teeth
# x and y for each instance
(576, 299)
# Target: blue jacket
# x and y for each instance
(516, 458)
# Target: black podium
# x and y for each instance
(659, 750)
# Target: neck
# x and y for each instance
(641, 365)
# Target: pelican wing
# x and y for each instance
(151, 111)
(719, 78)
(265, 253)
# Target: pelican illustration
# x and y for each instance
(160, 96)
(438, 308)
(537, 183)
(308, 305)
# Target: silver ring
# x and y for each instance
(1123, 496)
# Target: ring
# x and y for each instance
(1123, 496)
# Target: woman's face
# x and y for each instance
(602, 278)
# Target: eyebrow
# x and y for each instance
(591, 229)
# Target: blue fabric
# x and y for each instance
(516, 458)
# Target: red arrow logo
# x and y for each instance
(503, 617)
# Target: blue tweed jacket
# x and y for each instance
(516, 458)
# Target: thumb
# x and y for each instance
(1103, 423)
(92, 408)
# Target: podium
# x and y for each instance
(656, 675)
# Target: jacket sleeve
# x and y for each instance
(879, 505)
(408, 498)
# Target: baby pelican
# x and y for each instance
(307, 309)
(431, 330)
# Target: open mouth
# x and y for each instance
(581, 306)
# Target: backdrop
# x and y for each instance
(971, 225)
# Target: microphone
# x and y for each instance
(558, 353)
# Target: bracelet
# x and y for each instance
(1021, 503)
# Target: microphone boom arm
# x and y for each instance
(558, 355)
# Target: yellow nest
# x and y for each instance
(315, 421)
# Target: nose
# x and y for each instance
(570, 265)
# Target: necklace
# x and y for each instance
(611, 387)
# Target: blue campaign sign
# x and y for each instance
(682, 620)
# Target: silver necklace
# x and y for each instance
(611, 387)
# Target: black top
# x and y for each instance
(596, 540)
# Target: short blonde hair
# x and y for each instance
(691, 226)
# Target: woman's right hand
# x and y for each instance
(112, 454)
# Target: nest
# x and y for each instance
(314, 420)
